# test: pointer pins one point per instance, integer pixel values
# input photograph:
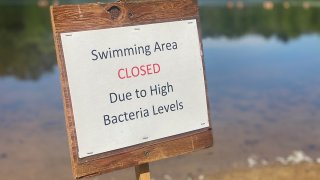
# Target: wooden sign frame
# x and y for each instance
(93, 16)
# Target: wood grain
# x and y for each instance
(143, 172)
(71, 18)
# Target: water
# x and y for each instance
(264, 88)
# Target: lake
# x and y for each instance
(264, 88)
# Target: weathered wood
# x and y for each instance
(143, 172)
(70, 18)
(146, 154)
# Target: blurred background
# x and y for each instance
(262, 61)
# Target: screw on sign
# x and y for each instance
(126, 69)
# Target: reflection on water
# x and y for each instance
(26, 49)
(263, 77)
(285, 24)
(277, 75)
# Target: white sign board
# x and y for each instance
(135, 84)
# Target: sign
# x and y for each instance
(135, 84)
(131, 88)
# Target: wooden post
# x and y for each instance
(143, 172)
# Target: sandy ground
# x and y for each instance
(305, 171)
(293, 172)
